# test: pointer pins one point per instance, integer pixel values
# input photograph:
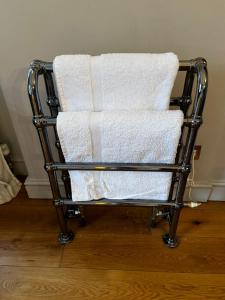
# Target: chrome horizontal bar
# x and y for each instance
(126, 202)
(184, 65)
(95, 166)
(43, 121)
(114, 202)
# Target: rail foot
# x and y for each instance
(65, 238)
(171, 243)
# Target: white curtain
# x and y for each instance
(9, 184)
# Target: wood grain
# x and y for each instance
(146, 253)
(115, 256)
(47, 283)
(30, 249)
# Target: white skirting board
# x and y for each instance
(200, 192)
(38, 188)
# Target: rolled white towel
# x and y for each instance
(143, 136)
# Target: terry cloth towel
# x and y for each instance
(122, 136)
(115, 81)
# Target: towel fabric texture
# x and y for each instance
(115, 109)
(115, 81)
(143, 136)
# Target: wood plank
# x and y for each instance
(30, 249)
(198, 222)
(28, 217)
(116, 219)
(145, 252)
(109, 228)
(46, 283)
(28, 233)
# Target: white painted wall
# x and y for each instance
(46, 28)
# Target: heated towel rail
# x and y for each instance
(191, 102)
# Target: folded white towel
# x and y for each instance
(121, 136)
(115, 81)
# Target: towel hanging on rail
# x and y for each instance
(140, 81)
(122, 136)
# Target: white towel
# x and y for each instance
(122, 136)
(115, 81)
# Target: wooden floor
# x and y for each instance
(114, 257)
